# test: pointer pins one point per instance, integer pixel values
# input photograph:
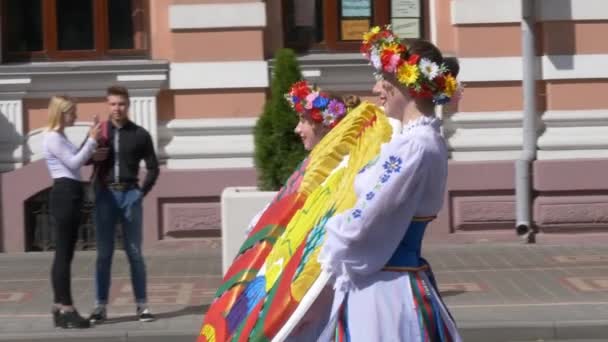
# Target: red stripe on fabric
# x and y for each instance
(340, 337)
(424, 296)
(432, 328)
(418, 307)
(446, 332)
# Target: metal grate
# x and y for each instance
(39, 227)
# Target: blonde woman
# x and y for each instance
(64, 161)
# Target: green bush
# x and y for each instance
(278, 150)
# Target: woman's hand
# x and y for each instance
(95, 131)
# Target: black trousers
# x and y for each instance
(65, 205)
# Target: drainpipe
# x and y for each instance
(523, 166)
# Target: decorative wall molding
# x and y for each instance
(207, 143)
(488, 136)
(215, 16)
(483, 211)
(571, 212)
(143, 113)
(551, 67)
(567, 134)
(471, 12)
(573, 134)
(13, 81)
(338, 72)
(484, 136)
(82, 79)
(559, 10)
(186, 218)
(219, 75)
(11, 134)
(182, 143)
(562, 67)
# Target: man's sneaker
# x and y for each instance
(98, 315)
(145, 315)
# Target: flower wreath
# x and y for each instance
(423, 77)
(319, 106)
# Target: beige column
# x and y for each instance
(143, 111)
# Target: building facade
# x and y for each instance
(199, 71)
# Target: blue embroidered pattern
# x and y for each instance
(391, 166)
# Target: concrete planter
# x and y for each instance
(239, 206)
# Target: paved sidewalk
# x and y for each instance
(497, 292)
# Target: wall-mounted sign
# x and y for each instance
(406, 27)
(354, 29)
(405, 8)
(356, 8)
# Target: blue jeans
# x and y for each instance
(125, 207)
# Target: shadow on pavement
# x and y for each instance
(450, 293)
(187, 311)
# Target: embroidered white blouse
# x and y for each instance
(407, 179)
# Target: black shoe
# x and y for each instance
(98, 315)
(145, 315)
(72, 320)
(56, 314)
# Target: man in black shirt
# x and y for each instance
(118, 198)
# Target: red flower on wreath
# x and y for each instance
(300, 89)
(299, 107)
(316, 115)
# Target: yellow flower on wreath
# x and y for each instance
(367, 36)
(450, 85)
(408, 74)
(393, 47)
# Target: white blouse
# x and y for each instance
(63, 159)
(407, 179)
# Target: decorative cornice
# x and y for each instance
(338, 72)
(82, 79)
(207, 143)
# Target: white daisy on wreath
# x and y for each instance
(429, 69)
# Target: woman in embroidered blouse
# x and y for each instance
(64, 161)
(383, 289)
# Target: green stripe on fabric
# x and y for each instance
(420, 304)
(257, 237)
(235, 280)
